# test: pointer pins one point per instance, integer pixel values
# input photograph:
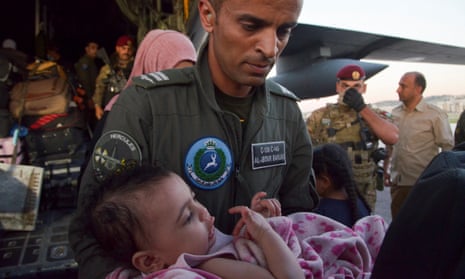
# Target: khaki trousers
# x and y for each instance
(398, 196)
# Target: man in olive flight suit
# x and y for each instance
(220, 125)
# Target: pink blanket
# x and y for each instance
(322, 246)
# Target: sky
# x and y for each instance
(428, 20)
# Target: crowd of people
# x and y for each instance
(195, 156)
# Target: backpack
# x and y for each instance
(45, 91)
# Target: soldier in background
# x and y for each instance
(86, 72)
(356, 127)
(113, 76)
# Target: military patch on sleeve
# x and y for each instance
(384, 114)
(114, 152)
(208, 163)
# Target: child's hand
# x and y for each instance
(249, 252)
(266, 207)
(252, 223)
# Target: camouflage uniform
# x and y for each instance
(113, 76)
(340, 124)
(110, 82)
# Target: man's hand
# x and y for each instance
(98, 112)
(354, 100)
(266, 207)
(387, 179)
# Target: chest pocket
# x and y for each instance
(340, 127)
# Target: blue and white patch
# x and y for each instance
(208, 163)
(114, 152)
(268, 154)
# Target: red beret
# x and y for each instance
(124, 40)
(351, 72)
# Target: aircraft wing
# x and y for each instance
(314, 54)
(318, 79)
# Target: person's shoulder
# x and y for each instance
(434, 108)
(82, 63)
(277, 89)
(166, 78)
(105, 69)
(81, 59)
(319, 112)
(398, 108)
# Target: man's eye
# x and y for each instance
(284, 33)
(249, 26)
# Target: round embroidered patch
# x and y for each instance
(114, 152)
(208, 163)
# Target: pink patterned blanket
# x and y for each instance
(323, 247)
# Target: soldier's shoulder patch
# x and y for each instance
(164, 78)
(278, 89)
(382, 113)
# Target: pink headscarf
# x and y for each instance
(160, 50)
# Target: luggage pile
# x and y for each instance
(53, 133)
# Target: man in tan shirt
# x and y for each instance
(424, 131)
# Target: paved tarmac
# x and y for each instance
(383, 204)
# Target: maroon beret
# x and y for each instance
(351, 72)
(124, 40)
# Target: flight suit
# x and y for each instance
(172, 118)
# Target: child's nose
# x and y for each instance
(204, 214)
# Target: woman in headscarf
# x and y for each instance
(161, 50)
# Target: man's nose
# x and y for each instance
(268, 44)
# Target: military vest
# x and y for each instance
(342, 125)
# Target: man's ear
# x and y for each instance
(338, 86)
(147, 261)
(207, 15)
(364, 88)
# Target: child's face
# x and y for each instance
(177, 222)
